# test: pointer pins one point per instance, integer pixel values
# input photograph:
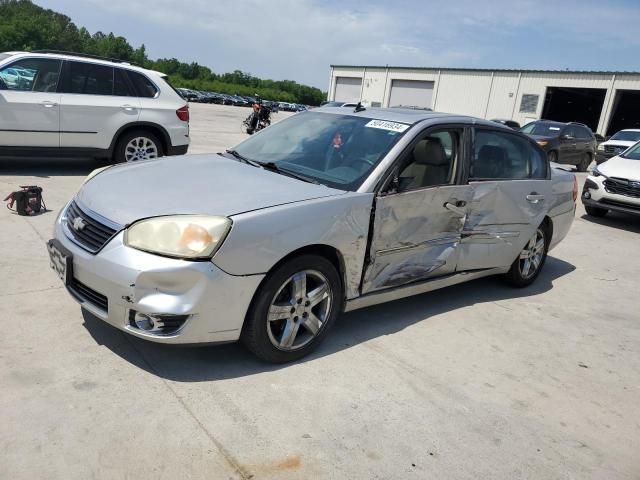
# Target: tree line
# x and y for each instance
(26, 26)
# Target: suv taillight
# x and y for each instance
(183, 113)
(575, 189)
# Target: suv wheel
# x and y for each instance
(584, 163)
(293, 309)
(137, 145)
(527, 266)
(596, 212)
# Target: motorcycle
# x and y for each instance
(259, 118)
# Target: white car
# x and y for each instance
(614, 185)
(72, 105)
(617, 144)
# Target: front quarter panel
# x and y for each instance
(260, 239)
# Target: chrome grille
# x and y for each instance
(88, 232)
(622, 186)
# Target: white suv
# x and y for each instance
(55, 104)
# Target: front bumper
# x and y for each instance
(214, 302)
(595, 195)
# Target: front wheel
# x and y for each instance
(596, 212)
(529, 263)
(585, 161)
(293, 309)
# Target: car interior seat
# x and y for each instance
(491, 162)
(430, 164)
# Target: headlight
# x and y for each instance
(182, 236)
(542, 143)
(601, 147)
(95, 172)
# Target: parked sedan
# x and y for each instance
(614, 185)
(328, 211)
(509, 123)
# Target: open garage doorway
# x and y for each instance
(625, 112)
(584, 105)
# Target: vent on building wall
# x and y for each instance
(529, 103)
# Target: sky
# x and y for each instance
(300, 39)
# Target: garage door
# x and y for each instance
(348, 89)
(411, 93)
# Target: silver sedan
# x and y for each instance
(328, 211)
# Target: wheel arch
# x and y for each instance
(154, 128)
(547, 225)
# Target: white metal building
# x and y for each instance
(606, 101)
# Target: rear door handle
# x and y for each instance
(48, 104)
(128, 108)
(535, 198)
(457, 208)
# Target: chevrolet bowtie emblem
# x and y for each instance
(78, 224)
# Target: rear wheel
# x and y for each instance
(527, 266)
(137, 145)
(293, 309)
(596, 212)
(585, 161)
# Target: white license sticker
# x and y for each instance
(390, 126)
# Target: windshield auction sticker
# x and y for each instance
(390, 126)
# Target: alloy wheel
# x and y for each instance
(299, 310)
(140, 148)
(532, 255)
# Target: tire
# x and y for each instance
(521, 276)
(584, 163)
(289, 334)
(148, 147)
(596, 212)
(553, 157)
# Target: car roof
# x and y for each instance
(70, 56)
(629, 130)
(405, 115)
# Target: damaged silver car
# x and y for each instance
(328, 211)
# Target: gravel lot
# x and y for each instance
(475, 381)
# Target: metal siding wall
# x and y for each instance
(348, 89)
(413, 93)
(472, 93)
(463, 93)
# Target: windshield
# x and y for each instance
(626, 136)
(548, 129)
(633, 153)
(339, 151)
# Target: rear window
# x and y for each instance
(144, 87)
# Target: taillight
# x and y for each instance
(183, 113)
(575, 189)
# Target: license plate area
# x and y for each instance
(60, 261)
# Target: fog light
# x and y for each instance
(144, 322)
(586, 195)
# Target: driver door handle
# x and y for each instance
(128, 108)
(535, 198)
(48, 104)
(456, 208)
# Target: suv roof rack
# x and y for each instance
(87, 55)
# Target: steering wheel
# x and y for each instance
(368, 163)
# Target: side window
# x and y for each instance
(89, 79)
(583, 133)
(143, 85)
(121, 87)
(571, 132)
(32, 75)
(505, 156)
(432, 160)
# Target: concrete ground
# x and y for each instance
(471, 382)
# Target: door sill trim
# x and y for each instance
(397, 293)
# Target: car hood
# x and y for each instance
(618, 143)
(621, 167)
(192, 184)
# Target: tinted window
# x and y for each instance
(431, 161)
(500, 155)
(550, 129)
(31, 74)
(144, 87)
(583, 133)
(89, 79)
(121, 85)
